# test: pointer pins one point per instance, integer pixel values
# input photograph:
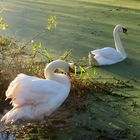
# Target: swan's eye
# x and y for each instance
(124, 30)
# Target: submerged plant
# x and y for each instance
(41, 50)
(52, 23)
(3, 26)
(66, 54)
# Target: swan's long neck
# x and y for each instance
(49, 72)
(118, 43)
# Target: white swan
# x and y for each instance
(108, 55)
(33, 98)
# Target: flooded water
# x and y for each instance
(82, 25)
(28, 17)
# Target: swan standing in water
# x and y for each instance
(108, 55)
(33, 97)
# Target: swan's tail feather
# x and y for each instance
(11, 116)
(17, 113)
(14, 86)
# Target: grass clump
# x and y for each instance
(4, 42)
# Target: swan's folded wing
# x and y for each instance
(109, 54)
(16, 85)
(104, 51)
(25, 90)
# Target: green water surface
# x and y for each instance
(85, 25)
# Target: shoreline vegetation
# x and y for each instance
(87, 113)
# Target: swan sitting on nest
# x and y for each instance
(34, 98)
(108, 55)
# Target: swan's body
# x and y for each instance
(33, 98)
(108, 55)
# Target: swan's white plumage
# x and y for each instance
(108, 55)
(33, 97)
